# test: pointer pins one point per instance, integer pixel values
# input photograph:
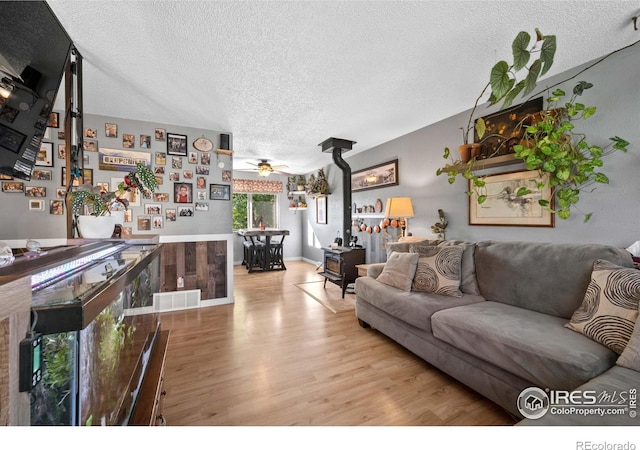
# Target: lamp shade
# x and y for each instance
(399, 207)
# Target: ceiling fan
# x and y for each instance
(264, 168)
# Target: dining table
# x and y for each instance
(265, 236)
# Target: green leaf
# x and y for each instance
(600, 178)
(543, 203)
(452, 180)
(481, 127)
(512, 94)
(587, 217)
(447, 152)
(563, 173)
(581, 87)
(521, 54)
(547, 52)
(564, 213)
(500, 81)
(532, 77)
(620, 144)
(588, 112)
(482, 198)
(523, 191)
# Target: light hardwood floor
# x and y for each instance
(278, 357)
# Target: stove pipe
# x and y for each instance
(336, 147)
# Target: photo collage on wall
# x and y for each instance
(167, 154)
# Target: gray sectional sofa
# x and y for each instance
(504, 330)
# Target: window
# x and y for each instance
(249, 209)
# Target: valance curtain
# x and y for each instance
(257, 186)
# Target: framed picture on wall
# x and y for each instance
(321, 210)
(45, 155)
(183, 192)
(219, 192)
(176, 144)
(504, 207)
(381, 175)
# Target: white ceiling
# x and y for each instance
(283, 76)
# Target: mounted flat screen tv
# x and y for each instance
(34, 50)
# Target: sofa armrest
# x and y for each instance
(375, 269)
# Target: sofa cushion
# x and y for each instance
(610, 307)
(404, 245)
(438, 270)
(468, 281)
(414, 308)
(548, 278)
(630, 357)
(529, 344)
(399, 270)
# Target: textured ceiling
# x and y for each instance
(282, 76)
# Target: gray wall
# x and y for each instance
(18, 223)
(616, 206)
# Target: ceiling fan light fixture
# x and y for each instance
(264, 171)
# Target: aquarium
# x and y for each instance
(98, 334)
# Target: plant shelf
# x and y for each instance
(488, 163)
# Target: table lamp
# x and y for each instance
(399, 208)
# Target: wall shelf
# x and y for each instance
(488, 163)
(368, 216)
(297, 209)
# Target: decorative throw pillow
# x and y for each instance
(439, 270)
(399, 270)
(610, 307)
(630, 357)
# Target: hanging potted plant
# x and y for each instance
(565, 161)
(106, 209)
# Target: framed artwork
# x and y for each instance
(202, 170)
(185, 211)
(161, 158)
(170, 214)
(176, 144)
(159, 180)
(132, 196)
(201, 183)
(128, 141)
(144, 223)
(126, 231)
(504, 208)
(321, 210)
(110, 130)
(12, 186)
(61, 135)
(176, 162)
(158, 170)
(145, 141)
(54, 120)
(122, 160)
(219, 192)
(187, 174)
(160, 197)
(36, 205)
(160, 134)
(174, 176)
(157, 222)
(205, 158)
(56, 207)
(382, 175)
(90, 133)
(35, 191)
(41, 174)
(61, 192)
(193, 157)
(10, 138)
(103, 186)
(183, 192)
(62, 151)
(152, 209)
(45, 155)
(202, 195)
(89, 145)
(202, 206)
(226, 175)
(128, 216)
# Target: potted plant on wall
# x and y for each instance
(565, 161)
(106, 209)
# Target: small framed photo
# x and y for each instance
(61, 135)
(41, 174)
(160, 134)
(157, 222)
(161, 159)
(160, 197)
(202, 170)
(226, 175)
(176, 162)
(185, 211)
(144, 223)
(104, 186)
(36, 205)
(321, 210)
(158, 170)
(5, 177)
(35, 191)
(159, 180)
(183, 192)
(145, 141)
(128, 141)
(174, 176)
(110, 130)
(152, 209)
(170, 214)
(176, 144)
(193, 157)
(188, 174)
(201, 183)
(202, 206)
(61, 192)
(219, 192)
(89, 145)
(202, 195)
(9, 114)
(56, 207)
(205, 158)
(126, 231)
(128, 216)
(45, 155)
(12, 186)
(54, 120)
(90, 133)
(62, 151)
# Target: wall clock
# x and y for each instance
(203, 144)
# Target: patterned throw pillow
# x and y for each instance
(439, 270)
(630, 357)
(610, 307)
(399, 270)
